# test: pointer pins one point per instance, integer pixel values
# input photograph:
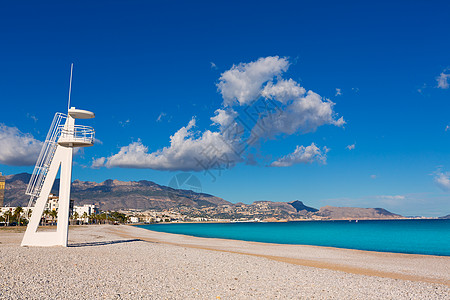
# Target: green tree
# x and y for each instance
(54, 215)
(45, 215)
(118, 217)
(18, 214)
(84, 217)
(7, 215)
(102, 217)
(92, 218)
(75, 217)
(97, 219)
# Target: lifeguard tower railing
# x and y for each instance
(76, 136)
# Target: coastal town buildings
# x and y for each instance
(81, 212)
(9, 211)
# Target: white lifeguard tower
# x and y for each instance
(56, 153)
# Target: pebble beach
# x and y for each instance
(126, 262)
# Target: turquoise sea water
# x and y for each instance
(402, 236)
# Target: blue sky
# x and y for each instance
(384, 65)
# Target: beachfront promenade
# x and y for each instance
(125, 262)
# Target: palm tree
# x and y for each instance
(54, 215)
(18, 213)
(75, 217)
(84, 217)
(92, 218)
(7, 214)
(45, 215)
(95, 219)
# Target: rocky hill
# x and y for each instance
(15, 187)
(336, 213)
(115, 194)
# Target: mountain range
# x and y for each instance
(114, 194)
(147, 195)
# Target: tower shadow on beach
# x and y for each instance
(103, 243)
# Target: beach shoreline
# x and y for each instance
(332, 258)
(127, 262)
(139, 225)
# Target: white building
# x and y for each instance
(134, 219)
(52, 203)
(89, 209)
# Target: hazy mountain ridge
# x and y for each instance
(333, 212)
(144, 195)
(114, 194)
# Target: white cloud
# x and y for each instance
(97, 141)
(99, 162)
(124, 123)
(32, 117)
(351, 147)
(443, 80)
(283, 91)
(223, 117)
(303, 115)
(243, 83)
(338, 92)
(160, 117)
(298, 112)
(188, 151)
(78, 151)
(392, 197)
(422, 88)
(302, 155)
(17, 148)
(389, 200)
(442, 180)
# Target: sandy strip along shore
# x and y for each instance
(125, 262)
(427, 268)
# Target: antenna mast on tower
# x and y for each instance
(70, 85)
